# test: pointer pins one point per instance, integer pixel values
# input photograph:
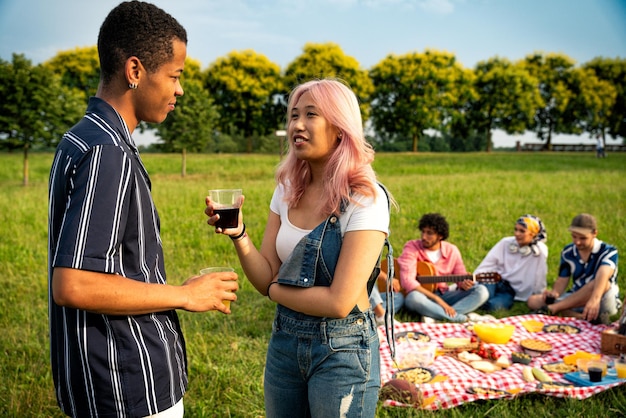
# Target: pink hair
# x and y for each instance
(349, 168)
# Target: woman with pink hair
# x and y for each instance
(327, 224)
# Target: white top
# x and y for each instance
(526, 274)
(434, 256)
(369, 214)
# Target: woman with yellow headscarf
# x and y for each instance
(521, 261)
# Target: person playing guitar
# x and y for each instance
(433, 255)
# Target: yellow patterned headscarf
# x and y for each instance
(535, 226)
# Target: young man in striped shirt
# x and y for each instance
(116, 343)
(592, 265)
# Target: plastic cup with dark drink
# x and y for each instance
(226, 203)
(595, 374)
(550, 300)
(597, 370)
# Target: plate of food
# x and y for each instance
(411, 336)
(535, 348)
(559, 367)
(474, 390)
(562, 328)
(415, 375)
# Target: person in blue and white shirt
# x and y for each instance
(116, 346)
(591, 264)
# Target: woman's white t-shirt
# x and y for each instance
(367, 214)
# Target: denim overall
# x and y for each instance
(320, 367)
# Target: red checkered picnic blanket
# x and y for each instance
(454, 391)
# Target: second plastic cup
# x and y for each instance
(209, 270)
(226, 204)
(620, 368)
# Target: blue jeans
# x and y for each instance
(321, 367)
(376, 298)
(501, 296)
(315, 366)
(463, 301)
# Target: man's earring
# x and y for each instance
(132, 86)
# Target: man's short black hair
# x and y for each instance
(437, 222)
(140, 29)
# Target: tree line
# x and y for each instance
(419, 101)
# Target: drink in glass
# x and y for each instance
(226, 203)
(209, 270)
(620, 367)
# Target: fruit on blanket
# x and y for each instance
(572, 358)
(485, 352)
(541, 375)
(532, 325)
(494, 333)
(527, 374)
(400, 390)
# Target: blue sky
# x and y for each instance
(368, 30)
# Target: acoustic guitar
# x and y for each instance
(428, 278)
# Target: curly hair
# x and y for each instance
(136, 28)
(437, 222)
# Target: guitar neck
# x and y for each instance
(445, 279)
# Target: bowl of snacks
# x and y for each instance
(417, 355)
(493, 332)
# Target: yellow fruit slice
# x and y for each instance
(532, 325)
(571, 358)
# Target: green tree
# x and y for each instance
(79, 68)
(328, 60)
(191, 126)
(554, 74)
(593, 102)
(418, 91)
(613, 70)
(36, 107)
(246, 89)
(193, 70)
(508, 97)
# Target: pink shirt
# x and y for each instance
(450, 263)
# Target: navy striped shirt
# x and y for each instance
(583, 272)
(102, 218)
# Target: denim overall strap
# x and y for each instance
(314, 259)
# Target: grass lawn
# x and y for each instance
(480, 194)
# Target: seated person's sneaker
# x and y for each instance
(474, 317)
